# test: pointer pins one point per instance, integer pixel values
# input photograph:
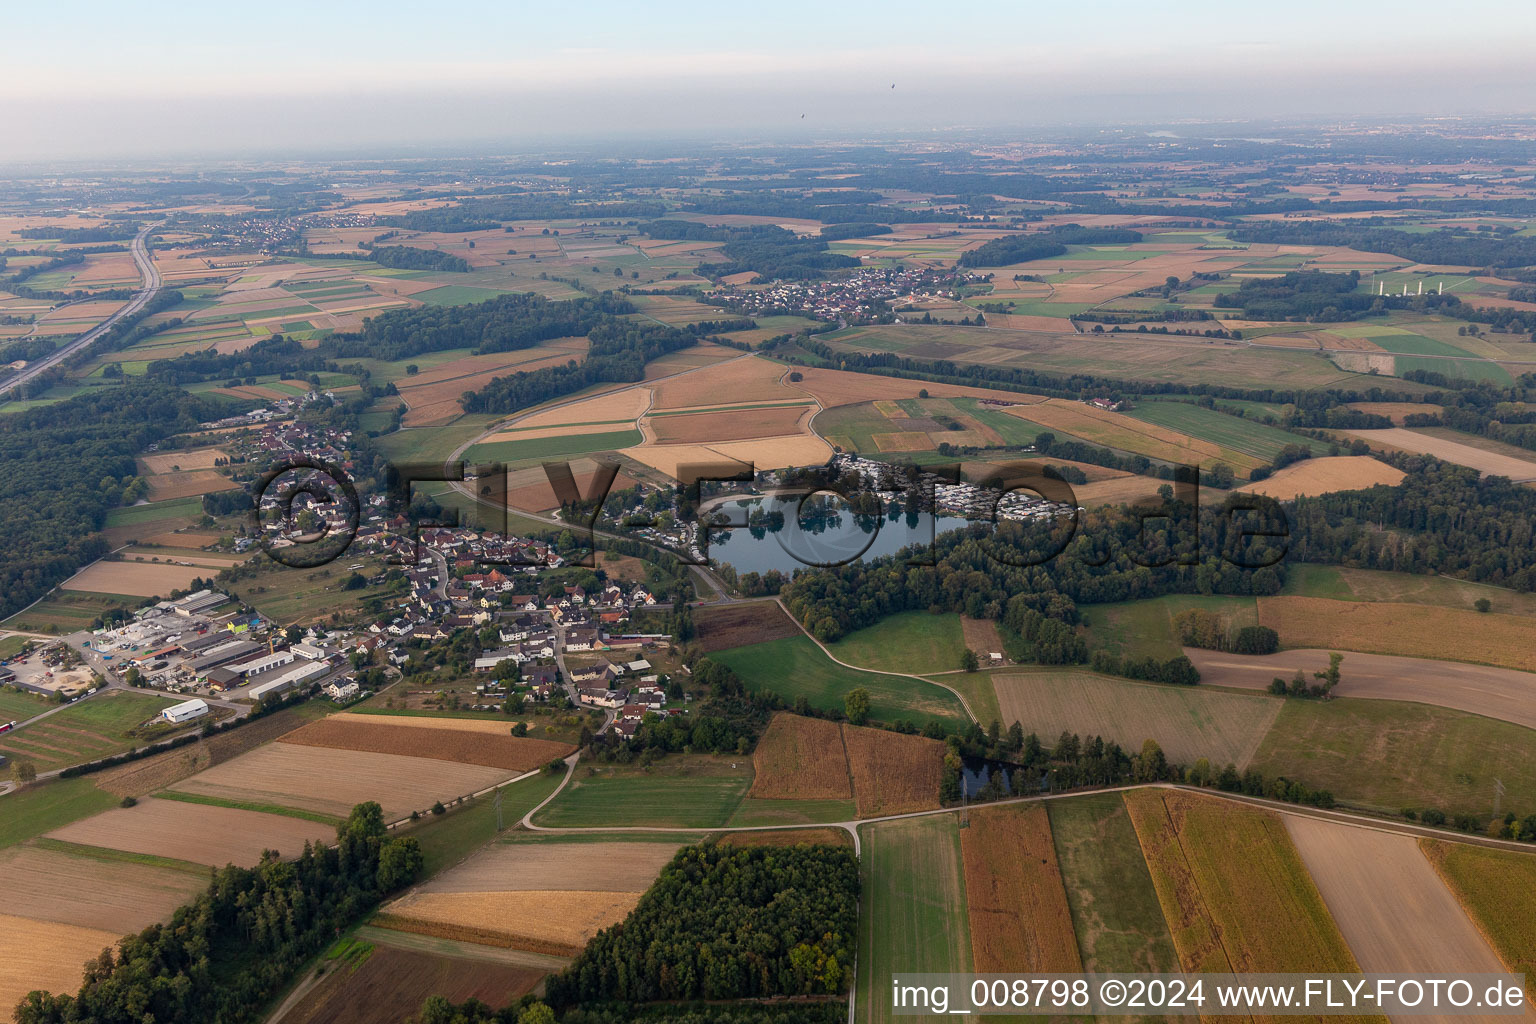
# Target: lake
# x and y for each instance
(828, 534)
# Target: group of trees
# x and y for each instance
(223, 955)
(981, 571)
(409, 257)
(774, 252)
(1320, 296)
(1445, 247)
(725, 922)
(1327, 679)
(53, 461)
(1198, 627)
(1039, 245)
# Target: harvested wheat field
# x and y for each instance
(199, 833)
(332, 782)
(531, 490)
(893, 773)
(44, 955)
(1488, 462)
(1311, 477)
(616, 407)
(767, 453)
(44, 883)
(499, 749)
(1121, 490)
(801, 759)
(748, 379)
(843, 387)
(1480, 689)
(1395, 912)
(556, 922)
(1020, 921)
(1187, 722)
(433, 395)
(735, 425)
(1411, 630)
(538, 865)
(187, 483)
(903, 441)
(1116, 430)
(141, 579)
(167, 462)
(1240, 872)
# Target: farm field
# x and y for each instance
(1017, 908)
(1395, 912)
(1498, 890)
(914, 641)
(1342, 583)
(1408, 630)
(1451, 451)
(893, 773)
(440, 740)
(533, 862)
(333, 781)
(1325, 475)
(801, 759)
(85, 731)
(46, 955)
(1386, 755)
(1235, 432)
(371, 988)
(1187, 722)
(794, 666)
(721, 627)
(1115, 913)
(195, 832)
(1500, 693)
(912, 911)
(43, 882)
(694, 791)
(65, 611)
(1231, 871)
(136, 578)
(41, 807)
(551, 922)
(20, 705)
(1126, 433)
(1144, 629)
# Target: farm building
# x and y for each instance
(185, 711)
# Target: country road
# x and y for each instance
(151, 284)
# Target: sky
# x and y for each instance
(102, 80)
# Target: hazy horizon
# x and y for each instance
(91, 81)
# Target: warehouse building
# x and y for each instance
(185, 711)
(290, 680)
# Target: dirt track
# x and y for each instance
(1395, 913)
(1494, 692)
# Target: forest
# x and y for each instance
(725, 922)
(619, 351)
(223, 955)
(409, 257)
(1316, 295)
(1455, 248)
(503, 324)
(773, 252)
(62, 467)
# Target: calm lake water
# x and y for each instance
(823, 537)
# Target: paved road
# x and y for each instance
(151, 284)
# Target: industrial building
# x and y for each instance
(290, 680)
(185, 711)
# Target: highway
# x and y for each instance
(151, 284)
